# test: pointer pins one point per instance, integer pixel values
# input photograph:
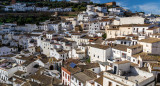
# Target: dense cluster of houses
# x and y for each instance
(23, 7)
(74, 52)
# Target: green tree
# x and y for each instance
(29, 20)
(88, 60)
(104, 36)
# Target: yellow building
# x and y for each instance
(118, 30)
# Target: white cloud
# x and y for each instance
(149, 8)
(96, 1)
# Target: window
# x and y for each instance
(137, 29)
(133, 60)
(80, 83)
(72, 78)
(143, 30)
(66, 75)
(110, 84)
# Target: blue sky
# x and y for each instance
(148, 6)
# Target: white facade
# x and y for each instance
(114, 80)
(55, 27)
(76, 54)
(98, 54)
(93, 27)
(45, 45)
(131, 20)
(152, 48)
(59, 54)
(7, 50)
(23, 7)
(66, 78)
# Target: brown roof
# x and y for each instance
(135, 46)
(53, 59)
(43, 58)
(32, 83)
(26, 84)
(72, 70)
(147, 57)
(105, 20)
(19, 73)
(133, 64)
(28, 60)
(68, 61)
(120, 47)
(111, 39)
(86, 37)
(37, 30)
(122, 38)
(122, 62)
(3, 84)
(82, 77)
(19, 80)
(144, 69)
(131, 35)
(45, 80)
(153, 28)
(81, 52)
(113, 29)
(50, 32)
(99, 46)
(62, 51)
(155, 64)
(29, 35)
(98, 41)
(135, 25)
(56, 81)
(88, 66)
(157, 34)
(90, 73)
(99, 80)
(150, 40)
